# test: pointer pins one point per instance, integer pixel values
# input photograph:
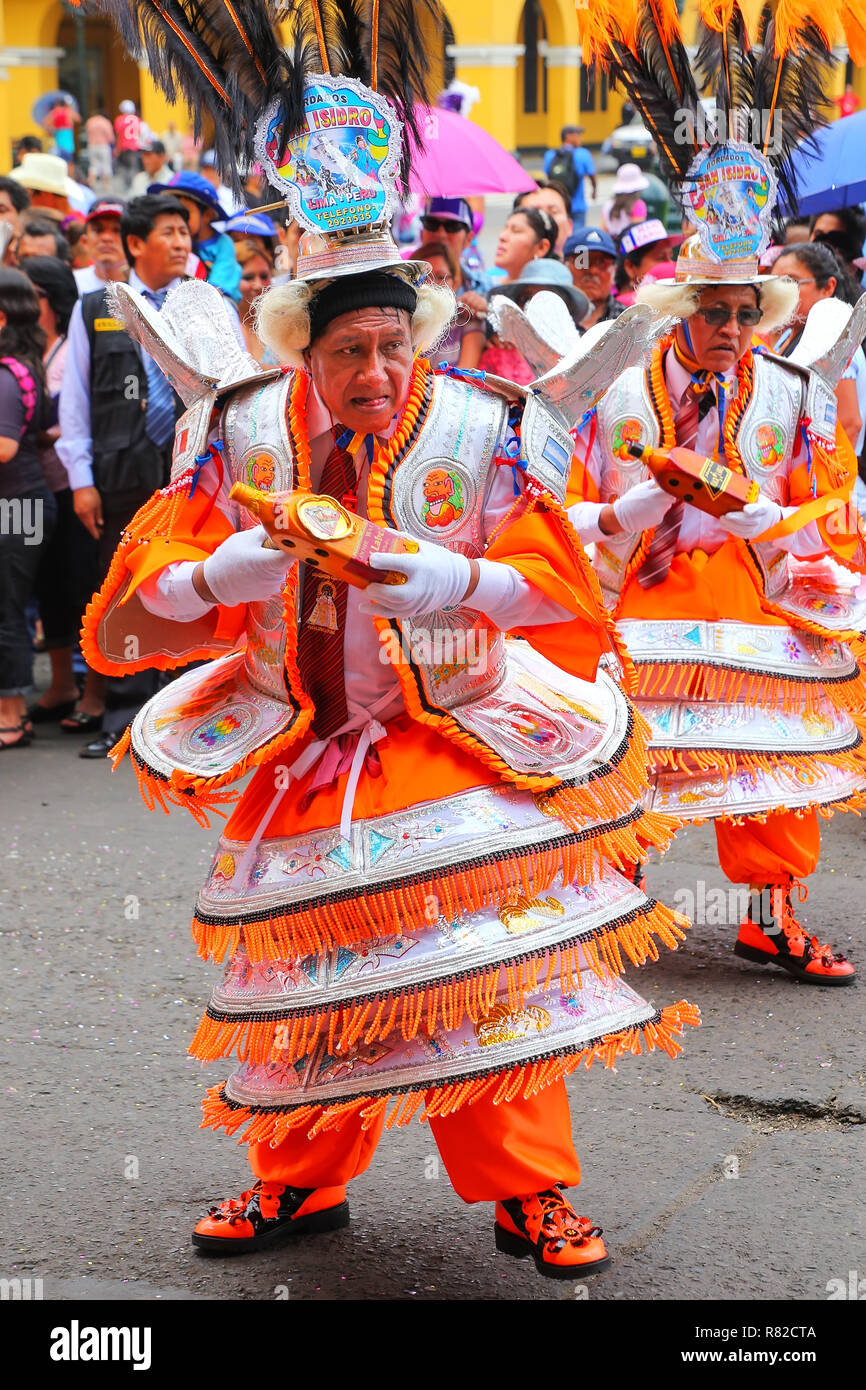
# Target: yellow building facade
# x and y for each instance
(522, 55)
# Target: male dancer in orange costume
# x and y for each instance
(418, 892)
(738, 633)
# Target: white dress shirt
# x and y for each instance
(75, 445)
(87, 280)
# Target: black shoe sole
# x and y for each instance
(520, 1249)
(331, 1219)
(41, 714)
(760, 958)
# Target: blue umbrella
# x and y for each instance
(46, 102)
(833, 175)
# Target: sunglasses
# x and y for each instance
(433, 224)
(720, 314)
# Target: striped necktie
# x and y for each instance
(661, 552)
(323, 613)
(159, 414)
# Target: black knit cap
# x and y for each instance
(375, 290)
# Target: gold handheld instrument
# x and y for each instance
(320, 531)
(702, 482)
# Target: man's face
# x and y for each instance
(36, 246)
(574, 137)
(718, 349)
(361, 366)
(592, 272)
(162, 255)
(151, 162)
(8, 213)
(548, 200)
(101, 241)
(454, 234)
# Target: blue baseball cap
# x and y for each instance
(450, 210)
(251, 224)
(589, 239)
(193, 186)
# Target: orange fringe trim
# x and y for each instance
(407, 906)
(274, 1125)
(614, 791)
(155, 791)
(294, 1033)
(854, 803)
(695, 681)
(160, 511)
(715, 760)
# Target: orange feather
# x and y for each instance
(717, 14)
(667, 19)
(598, 24)
(853, 20)
(792, 17)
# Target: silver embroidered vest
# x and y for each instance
(765, 437)
(435, 489)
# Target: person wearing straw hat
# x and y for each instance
(47, 181)
(738, 632)
(437, 817)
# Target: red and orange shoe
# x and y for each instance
(268, 1214)
(771, 935)
(546, 1226)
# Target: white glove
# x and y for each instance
(435, 578)
(753, 520)
(642, 506)
(241, 571)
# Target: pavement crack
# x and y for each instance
(767, 1116)
(694, 1192)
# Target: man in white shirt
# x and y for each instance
(155, 167)
(117, 417)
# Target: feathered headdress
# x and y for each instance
(766, 66)
(229, 59)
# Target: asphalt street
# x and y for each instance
(735, 1172)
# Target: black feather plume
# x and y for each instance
(227, 58)
(790, 92)
(670, 116)
(725, 65)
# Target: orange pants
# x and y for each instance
(764, 852)
(491, 1152)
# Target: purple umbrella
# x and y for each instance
(460, 160)
(831, 174)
